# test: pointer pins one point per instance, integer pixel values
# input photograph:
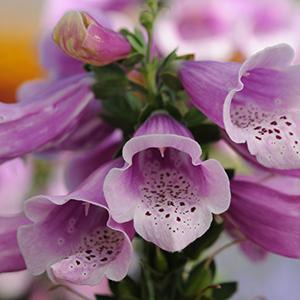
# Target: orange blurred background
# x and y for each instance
(19, 31)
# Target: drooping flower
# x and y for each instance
(73, 237)
(81, 37)
(256, 102)
(164, 186)
(269, 218)
(62, 114)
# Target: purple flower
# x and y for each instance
(165, 187)
(82, 37)
(73, 236)
(269, 218)
(61, 114)
(256, 102)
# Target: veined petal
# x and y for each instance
(10, 256)
(269, 218)
(208, 83)
(47, 120)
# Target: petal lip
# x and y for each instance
(283, 56)
(38, 208)
(122, 190)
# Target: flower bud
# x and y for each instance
(81, 37)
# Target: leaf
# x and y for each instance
(226, 291)
(199, 278)
(194, 117)
(171, 80)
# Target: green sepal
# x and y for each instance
(226, 291)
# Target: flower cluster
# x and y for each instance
(139, 128)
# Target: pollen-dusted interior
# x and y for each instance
(168, 193)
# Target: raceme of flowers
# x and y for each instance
(139, 127)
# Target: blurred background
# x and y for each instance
(226, 30)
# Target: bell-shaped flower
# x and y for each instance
(73, 237)
(164, 186)
(82, 37)
(266, 216)
(257, 102)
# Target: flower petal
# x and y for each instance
(269, 218)
(10, 255)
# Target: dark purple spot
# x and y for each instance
(278, 137)
(193, 209)
(148, 213)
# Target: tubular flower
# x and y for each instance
(269, 218)
(164, 186)
(81, 37)
(58, 115)
(257, 102)
(73, 236)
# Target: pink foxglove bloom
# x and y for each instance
(269, 218)
(165, 187)
(73, 237)
(221, 29)
(81, 37)
(256, 102)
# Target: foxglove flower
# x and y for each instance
(81, 37)
(62, 114)
(73, 237)
(256, 102)
(164, 186)
(269, 218)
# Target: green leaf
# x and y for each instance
(226, 291)
(194, 250)
(161, 262)
(206, 133)
(135, 44)
(199, 278)
(194, 117)
(111, 81)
